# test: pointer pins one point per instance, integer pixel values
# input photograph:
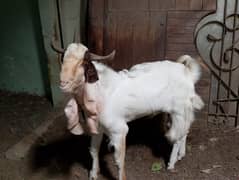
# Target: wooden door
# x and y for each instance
(144, 30)
(136, 33)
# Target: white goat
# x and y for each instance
(145, 89)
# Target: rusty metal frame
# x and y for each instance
(226, 57)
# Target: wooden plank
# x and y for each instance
(141, 36)
(209, 4)
(128, 5)
(110, 36)
(178, 39)
(173, 55)
(186, 30)
(162, 4)
(137, 37)
(181, 23)
(120, 26)
(96, 25)
(159, 27)
(180, 32)
(182, 47)
(149, 37)
(125, 47)
(187, 14)
(189, 4)
(182, 4)
(196, 5)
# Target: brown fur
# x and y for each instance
(80, 72)
(91, 75)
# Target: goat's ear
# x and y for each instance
(90, 71)
(87, 56)
(96, 57)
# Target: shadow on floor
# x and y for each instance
(59, 154)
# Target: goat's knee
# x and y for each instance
(179, 127)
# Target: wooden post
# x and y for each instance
(62, 21)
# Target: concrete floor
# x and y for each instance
(35, 145)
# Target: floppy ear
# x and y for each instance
(91, 74)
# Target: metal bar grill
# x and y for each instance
(217, 40)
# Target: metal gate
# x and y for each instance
(217, 41)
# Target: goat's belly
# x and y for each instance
(137, 105)
(133, 107)
(133, 113)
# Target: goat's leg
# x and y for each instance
(178, 152)
(174, 155)
(172, 136)
(120, 157)
(119, 143)
(94, 151)
(182, 148)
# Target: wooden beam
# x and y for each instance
(50, 29)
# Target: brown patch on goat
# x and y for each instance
(91, 74)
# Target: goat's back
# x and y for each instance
(150, 88)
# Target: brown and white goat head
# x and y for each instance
(72, 71)
(77, 67)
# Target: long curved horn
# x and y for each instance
(56, 48)
(99, 58)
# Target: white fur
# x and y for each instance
(193, 68)
(146, 89)
(77, 50)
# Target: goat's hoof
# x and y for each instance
(93, 175)
(180, 157)
(172, 170)
(170, 167)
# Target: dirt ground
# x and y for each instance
(212, 152)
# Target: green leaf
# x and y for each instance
(156, 167)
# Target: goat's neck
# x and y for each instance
(108, 77)
(108, 80)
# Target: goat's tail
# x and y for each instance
(192, 66)
(197, 102)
